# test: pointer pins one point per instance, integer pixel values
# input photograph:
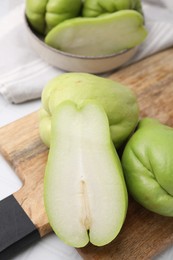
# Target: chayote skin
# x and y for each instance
(43, 15)
(94, 8)
(148, 166)
(119, 102)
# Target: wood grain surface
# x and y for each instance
(144, 234)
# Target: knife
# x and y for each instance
(16, 228)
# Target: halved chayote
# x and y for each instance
(148, 166)
(102, 35)
(84, 189)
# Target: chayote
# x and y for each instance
(148, 166)
(43, 15)
(94, 8)
(85, 195)
(97, 36)
(89, 27)
(118, 101)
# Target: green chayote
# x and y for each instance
(148, 166)
(43, 15)
(94, 8)
(85, 195)
(88, 27)
(97, 36)
(119, 102)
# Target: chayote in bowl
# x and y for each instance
(94, 8)
(148, 166)
(98, 36)
(43, 15)
(88, 28)
(118, 101)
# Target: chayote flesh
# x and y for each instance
(148, 166)
(85, 195)
(97, 36)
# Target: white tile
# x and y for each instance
(9, 181)
(11, 112)
(51, 248)
(26, 108)
(8, 115)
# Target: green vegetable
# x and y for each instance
(103, 35)
(43, 15)
(105, 27)
(94, 8)
(118, 101)
(148, 166)
(84, 189)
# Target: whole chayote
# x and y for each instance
(118, 101)
(94, 8)
(148, 166)
(43, 15)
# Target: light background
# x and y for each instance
(49, 247)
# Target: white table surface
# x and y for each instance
(49, 247)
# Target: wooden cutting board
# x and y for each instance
(144, 234)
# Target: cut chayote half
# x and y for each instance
(148, 166)
(84, 189)
(118, 101)
(97, 36)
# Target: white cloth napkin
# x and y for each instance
(23, 74)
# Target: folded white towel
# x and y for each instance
(23, 74)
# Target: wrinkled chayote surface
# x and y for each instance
(148, 166)
(43, 15)
(94, 8)
(118, 101)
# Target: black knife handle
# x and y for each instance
(16, 229)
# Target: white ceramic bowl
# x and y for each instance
(77, 63)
